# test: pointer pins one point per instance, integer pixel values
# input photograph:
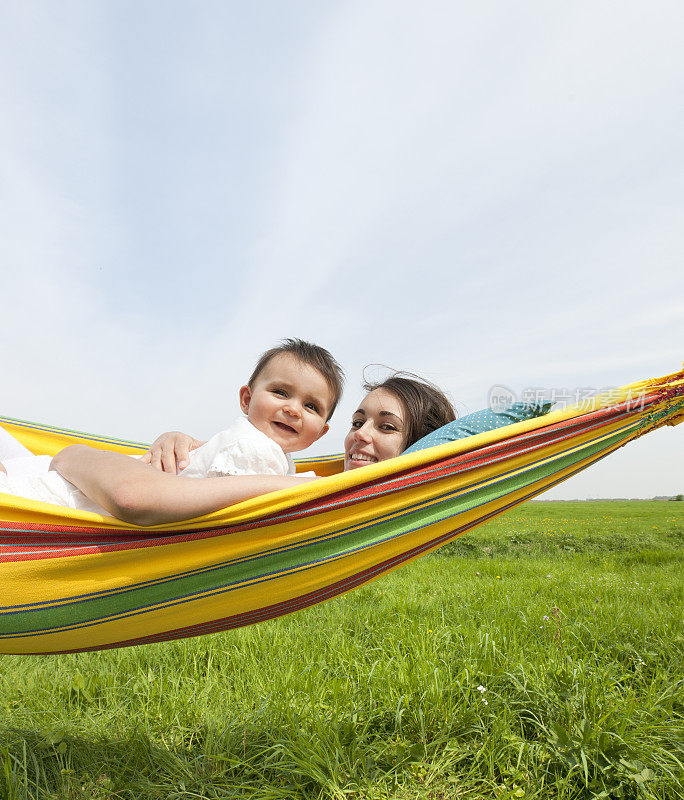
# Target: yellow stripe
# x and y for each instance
(253, 598)
(276, 502)
(45, 580)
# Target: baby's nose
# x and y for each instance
(293, 409)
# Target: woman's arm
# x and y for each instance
(139, 494)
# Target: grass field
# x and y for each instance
(538, 657)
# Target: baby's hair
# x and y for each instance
(426, 406)
(313, 355)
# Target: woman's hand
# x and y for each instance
(170, 452)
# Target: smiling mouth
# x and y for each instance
(362, 458)
(283, 427)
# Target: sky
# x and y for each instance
(483, 194)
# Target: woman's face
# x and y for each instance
(377, 430)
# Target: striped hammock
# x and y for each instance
(73, 581)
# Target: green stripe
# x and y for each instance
(214, 579)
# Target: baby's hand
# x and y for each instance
(170, 452)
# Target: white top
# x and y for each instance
(240, 450)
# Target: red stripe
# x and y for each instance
(433, 471)
(324, 593)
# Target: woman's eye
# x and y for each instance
(357, 423)
(387, 427)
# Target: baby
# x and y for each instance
(288, 401)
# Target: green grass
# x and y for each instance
(538, 657)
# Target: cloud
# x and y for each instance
(478, 197)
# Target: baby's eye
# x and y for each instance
(313, 407)
(280, 392)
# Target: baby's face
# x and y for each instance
(289, 402)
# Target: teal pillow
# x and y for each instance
(479, 422)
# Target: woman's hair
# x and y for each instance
(426, 407)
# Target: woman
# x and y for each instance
(394, 415)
